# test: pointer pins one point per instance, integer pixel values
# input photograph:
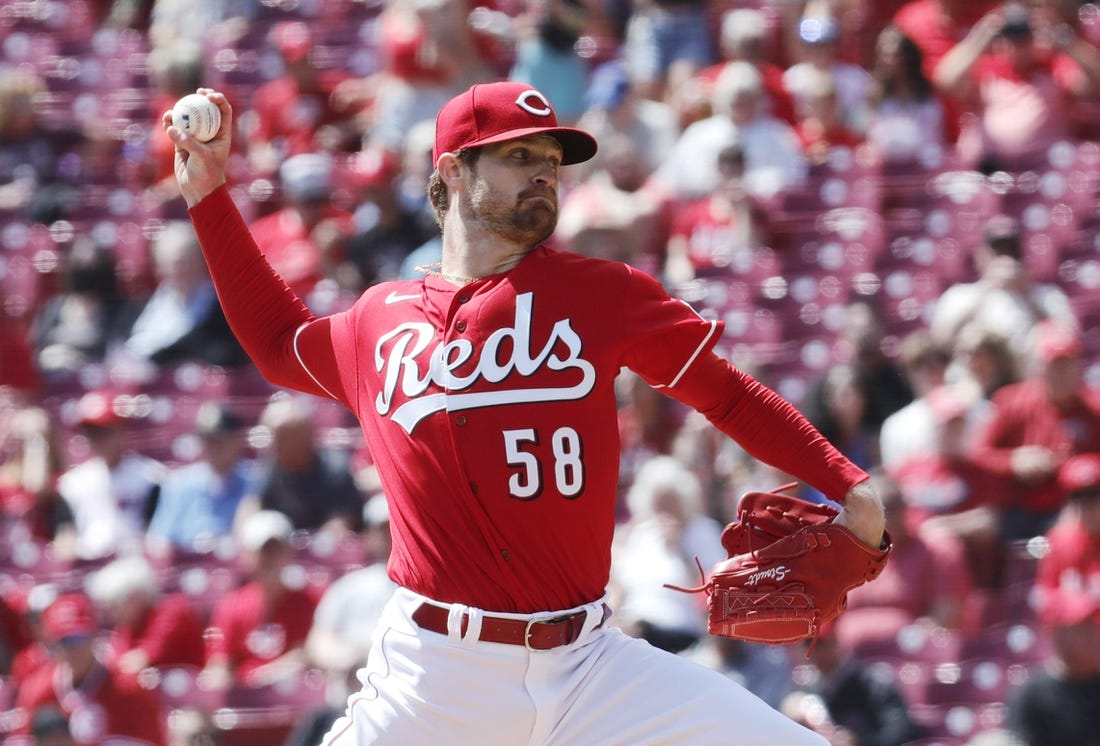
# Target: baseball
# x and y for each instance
(198, 116)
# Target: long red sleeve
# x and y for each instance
(262, 310)
(767, 426)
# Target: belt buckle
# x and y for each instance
(540, 620)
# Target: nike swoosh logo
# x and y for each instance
(394, 297)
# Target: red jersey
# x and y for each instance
(933, 485)
(490, 409)
(936, 33)
(107, 705)
(1023, 415)
(250, 634)
(1072, 563)
(170, 634)
(289, 248)
(285, 111)
(714, 242)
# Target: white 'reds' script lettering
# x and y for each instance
(397, 350)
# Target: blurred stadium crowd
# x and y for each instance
(892, 206)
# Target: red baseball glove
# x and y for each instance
(789, 570)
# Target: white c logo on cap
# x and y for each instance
(524, 103)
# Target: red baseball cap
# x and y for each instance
(488, 113)
(946, 404)
(1080, 473)
(97, 409)
(1068, 608)
(70, 615)
(293, 39)
(1055, 340)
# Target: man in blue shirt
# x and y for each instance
(198, 502)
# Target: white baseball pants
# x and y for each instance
(605, 689)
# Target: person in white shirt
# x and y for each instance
(912, 430)
(113, 493)
(668, 528)
(1004, 299)
(181, 320)
(773, 157)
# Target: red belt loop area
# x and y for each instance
(536, 633)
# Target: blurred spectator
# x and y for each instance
(257, 631)
(50, 727)
(906, 116)
(385, 228)
(147, 628)
(298, 111)
(113, 493)
(666, 42)
(765, 670)
(666, 530)
(306, 240)
(1020, 96)
(612, 214)
(171, 20)
(821, 119)
(1072, 561)
(841, 416)
(199, 502)
(911, 430)
(106, 703)
(429, 52)
(416, 167)
(819, 53)
(36, 183)
(1056, 705)
(849, 703)
(87, 316)
(609, 210)
(299, 478)
(982, 363)
(648, 424)
(714, 233)
(35, 654)
(1004, 298)
(744, 36)
(182, 319)
(947, 490)
(344, 621)
(879, 377)
(1034, 427)
(614, 106)
(936, 26)
(31, 507)
(927, 583)
(546, 54)
(773, 158)
(412, 174)
(723, 468)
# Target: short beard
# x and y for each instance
(520, 224)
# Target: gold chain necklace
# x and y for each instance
(434, 270)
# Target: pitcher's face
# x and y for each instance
(513, 189)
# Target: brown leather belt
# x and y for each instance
(536, 633)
